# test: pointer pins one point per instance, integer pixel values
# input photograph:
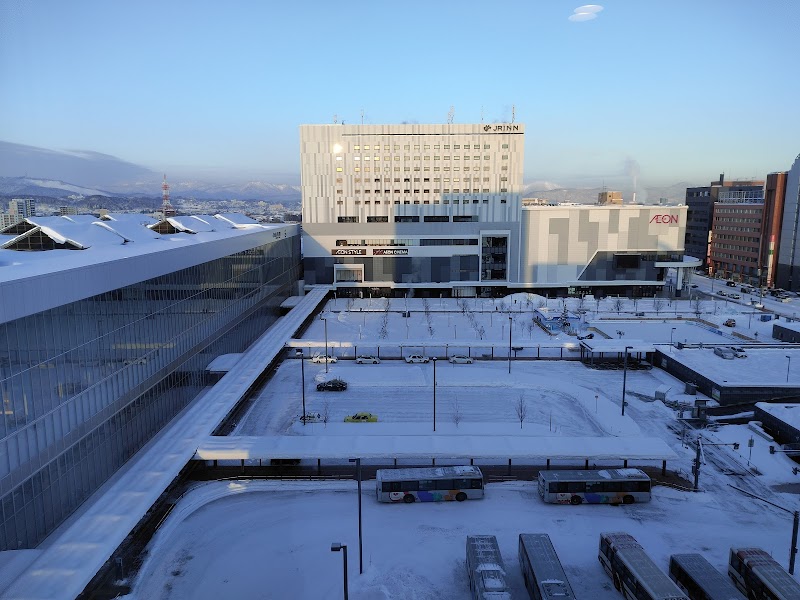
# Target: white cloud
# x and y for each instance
(587, 12)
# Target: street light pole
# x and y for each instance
(360, 550)
(789, 364)
(324, 320)
(434, 393)
(336, 547)
(625, 377)
(510, 324)
(671, 333)
(299, 353)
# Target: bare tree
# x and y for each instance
(521, 409)
(697, 306)
(456, 415)
(325, 416)
(658, 304)
(618, 304)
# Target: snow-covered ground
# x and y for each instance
(272, 539)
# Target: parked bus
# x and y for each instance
(699, 579)
(429, 484)
(485, 569)
(633, 572)
(607, 486)
(542, 571)
(759, 576)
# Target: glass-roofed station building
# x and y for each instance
(107, 326)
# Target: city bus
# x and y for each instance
(699, 579)
(542, 571)
(633, 572)
(429, 484)
(485, 569)
(759, 576)
(606, 486)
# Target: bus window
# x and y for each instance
(427, 484)
(477, 484)
(576, 487)
(444, 484)
(460, 484)
(595, 487)
(410, 486)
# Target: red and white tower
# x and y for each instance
(166, 208)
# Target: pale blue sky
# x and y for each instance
(685, 89)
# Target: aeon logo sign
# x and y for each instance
(500, 128)
(668, 219)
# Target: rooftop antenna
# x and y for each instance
(166, 208)
(362, 116)
(513, 113)
(450, 115)
(481, 114)
(335, 119)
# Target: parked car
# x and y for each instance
(746, 289)
(417, 358)
(332, 385)
(368, 359)
(730, 283)
(738, 352)
(730, 323)
(321, 358)
(722, 293)
(725, 353)
(361, 417)
(756, 304)
(460, 359)
(735, 296)
(694, 285)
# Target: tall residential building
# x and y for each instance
(22, 207)
(788, 272)
(402, 205)
(738, 227)
(700, 201)
(774, 199)
(106, 330)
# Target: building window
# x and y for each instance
(377, 219)
(464, 218)
(436, 219)
(347, 219)
(406, 219)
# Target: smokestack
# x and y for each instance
(721, 178)
(634, 198)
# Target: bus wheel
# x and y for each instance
(461, 496)
(617, 582)
(627, 499)
(575, 500)
(408, 498)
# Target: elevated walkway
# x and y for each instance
(77, 551)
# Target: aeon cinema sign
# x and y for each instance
(666, 219)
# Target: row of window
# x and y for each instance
(444, 201)
(428, 191)
(422, 158)
(412, 219)
(410, 242)
(408, 169)
(388, 147)
(431, 484)
(416, 179)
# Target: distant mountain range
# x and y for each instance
(31, 171)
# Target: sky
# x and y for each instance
(664, 91)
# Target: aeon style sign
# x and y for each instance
(668, 219)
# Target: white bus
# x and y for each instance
(429, 484)
(485, 569)
(699, 579)
(542, 571)
(633, 572)
(606, 486)
(760, 577)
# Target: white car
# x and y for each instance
(370, 360)
(417, 358)
(461, 360)
(735, 296)
(321, 358)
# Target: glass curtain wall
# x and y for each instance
(85, 385)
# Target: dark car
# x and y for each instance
(334, 385)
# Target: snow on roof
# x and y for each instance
(788, 413)
(433, 446)
(237, 219)
(617, 345)
(224, 363)
(762, 366)
(197, 223)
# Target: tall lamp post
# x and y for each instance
(360, 551)
(336, 547)
(299, 354)
(671, 333)
(789, 364)
(434, 393)
(324, 320)
(510, 327)
(625, 377)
